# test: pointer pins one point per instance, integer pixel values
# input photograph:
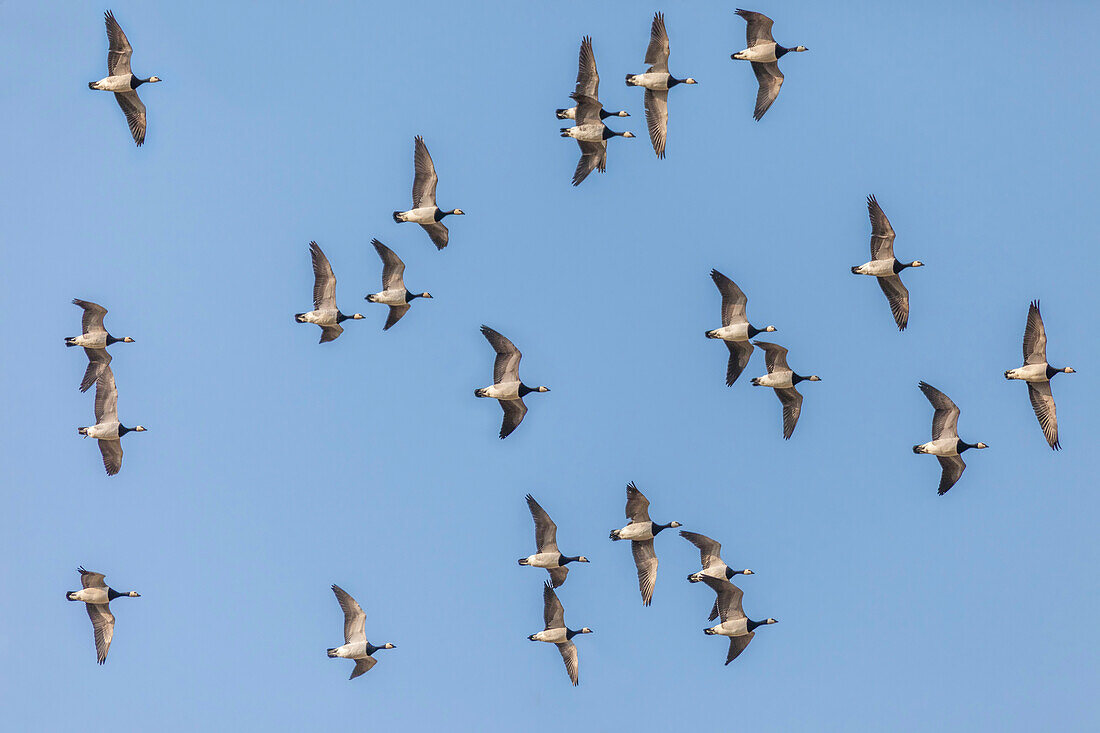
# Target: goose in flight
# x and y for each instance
(107, 429)
(764, 53)
(591, 135)
(710, 555)
(657, 81)
(945, 443)
(546, 541)
(393, 292)
(884, 267)
(507, 387)
(424, 211)
(783, 379)
(325, 313)
(588, 83)
(734, 623)
(1038, 373)
(736, 329)
(640, 531)
(556, 632)
(355, 645)
(121, 80)
(95, 340)
(97, 597)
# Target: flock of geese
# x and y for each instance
(736, 331)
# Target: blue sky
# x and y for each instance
(274, 467)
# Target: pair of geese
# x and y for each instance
(592, 134)
(641, 531)
(95, 339)
(1036, 372)
(97, 596)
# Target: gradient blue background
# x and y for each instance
(274, 467)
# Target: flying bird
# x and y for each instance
(95, 340)
(884, 267)
(736, 329)
(97, 597)
(640, 531)
(588, 83)
(355, 645)
(424, 211)
(764, 53)
(325, 313)
(394, 294)
(121, 80)
(556, 632)
(546, 541)
(734, 623)
(507, 387)
(783, 379)
(945, 443)
(657, 81)
(1038, 373)
(710, 555)
(107, 429)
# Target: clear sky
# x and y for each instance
(274, 466)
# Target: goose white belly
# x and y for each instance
(502, 391)
(778, 380)
(321, 318)
(733, 332)
(389, 297)
(876, 268)
(590, 133)
(551, 636)
(716, 570)
(354, 650)
(735, 627)
(543, 560)
(91, 340)
(1029, 373)
(656, 81)
(103, 431)
(423, 215)
(637, 531)
(97, 596)
(115, 83)
(763, 52)
(941, 447)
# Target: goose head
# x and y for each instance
(582, 558)
(622, 113)
(152, 80)
(585, 630)
(542, 389)
(689, 80)
(423, 295)
(799, 49)
(1067, 370)
(915, 263)
(389, 646)
(457, 212)
(770, 329)
(357, 316)
(127, 340)
(772, 620)
(813, 378)
(139, 429)
(981, 445)
(133, 594)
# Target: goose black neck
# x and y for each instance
(753, 330)
(656, 528)
(899, 266)
(112, 340)
(122, 430)
(796, 378)
(563, 559)
(570, 633)
(750, 624)
(340, 317)
(135, 82)
(780, 51)
(1051, 371)
(962, 446)
(730, 573)
(524, 390)
(113, 594)
(410, 297)
(439, 214)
